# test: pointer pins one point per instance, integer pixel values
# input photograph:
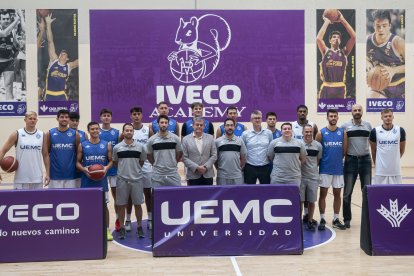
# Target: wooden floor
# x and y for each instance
(342, 256)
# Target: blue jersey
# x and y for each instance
(331, 162)
(277, 134)
(94, 154)
(189, 127)
(111, 136)
(62, 154)
(82, 135)
(238, 130)
(57, 75)
(172, 125)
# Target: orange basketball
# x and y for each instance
(96, 172)
(376, 80)
(43, 13)
(332, 14)
(9, 164)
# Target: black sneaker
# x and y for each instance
(321, 225)
(305, 219)
(311, 226)
(347, 223)
(314, 222)
(122, 233)
(338, 224)
(140, 232)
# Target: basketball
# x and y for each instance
(9, 164)
(376, 80)
(43, 13)
(96, 172)
(332, 14)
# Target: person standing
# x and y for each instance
(331, 169)
(271, 120)
(257, 141)
(387, 147)
(173, 126)
(357, 159)
(239, 128)
(199, 155)
(188, 128)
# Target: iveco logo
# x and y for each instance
(22, 213)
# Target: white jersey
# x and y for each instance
(298, 129)
(387, 161)
(29, 155)
(141, 136)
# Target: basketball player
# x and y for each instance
(129, 157)
(197, 110)
(334, 59)
(310, 174)
(387, 147)
(232, 113)
(357, 159)
(59, 67)
(141, 136)
(231, 156)
(164, 151)
(173, 126)
(91, 152)
(331, 169)
(73, 124)
(30, 148)
(62, 143)
(388, 51)
(271, 120)
(111, 135)
(7, 48)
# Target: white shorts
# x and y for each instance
(28, 186)
(63, 184)
(336, 181)
(147, 179)
(112, 181)
(78, 182)
(382, 179)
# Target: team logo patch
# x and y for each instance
(393, 215)
(102, 146)
(38, 136)
(70, 134)
(112, 132)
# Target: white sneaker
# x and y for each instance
(128, 226)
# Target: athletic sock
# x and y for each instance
(322, 216)
(305, 211)
(336, 216)
(128, 217)
(149, 215)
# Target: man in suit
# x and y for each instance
(199, 155)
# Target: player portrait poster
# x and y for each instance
(385, 60)
(248, 59)
(57, 60)
(12, 62)
(335, 41)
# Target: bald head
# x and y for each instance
(357, 111)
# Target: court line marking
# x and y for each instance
(325, 242)
(235, 266)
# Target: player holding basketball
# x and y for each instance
(95, 151)
(30, 148)
(334, 59)
(388, 51)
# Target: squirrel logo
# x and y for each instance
(201, 41)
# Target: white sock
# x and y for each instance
(149, 215)
(322, 216)
(305, 211)
(128, 217)
(336, 216)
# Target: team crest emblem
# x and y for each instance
(112, 132)
(399, 105)
(70, 134)
(102, 146)
(21, 109)
(38, 136)
(73, 107)
(201, 41)
(338, 132)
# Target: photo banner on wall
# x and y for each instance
(13, 62)
(57, 60)
(385, 57)
(248, 59)
(335, 40)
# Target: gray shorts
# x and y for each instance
(275, 180)
(147, 179)
(28, 186)
(126, 188)
(309, 189)
(229, 181)
(164, 180)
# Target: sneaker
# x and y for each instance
(109, 235)
(149, 224)
(122, 233)
(322, 224)
(338, 224)
(140, 232)
(314, 222)
(305, 219)
(311, 226)
(128, 226)
(347, 223)
(117, 225)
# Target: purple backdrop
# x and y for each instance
(27, 235)
(250, 59)
(178, 233)
(391, 219)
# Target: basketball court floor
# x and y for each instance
(335, 252)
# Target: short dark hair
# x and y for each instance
(126, 124)
(74, 116)
(331, 111)
(335, 33)
(162, 117)
(232, 107)
(307, 125)
(135, 109)
(286, 124)
(301, 106)
(62, 112)
(91, 124)
(105, 110)
(229, 119)
(271, 113)
(162, 102)
(193, 105)
(381, 14)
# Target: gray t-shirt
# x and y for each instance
(228, 160)
(128, 157)
(285, 156)
(164, 150)
(358, 135)
(310, 167)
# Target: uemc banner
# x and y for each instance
(248, 59)
(391, 219)
(227, 220)
(51, 225)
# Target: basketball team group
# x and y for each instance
(131, 161)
